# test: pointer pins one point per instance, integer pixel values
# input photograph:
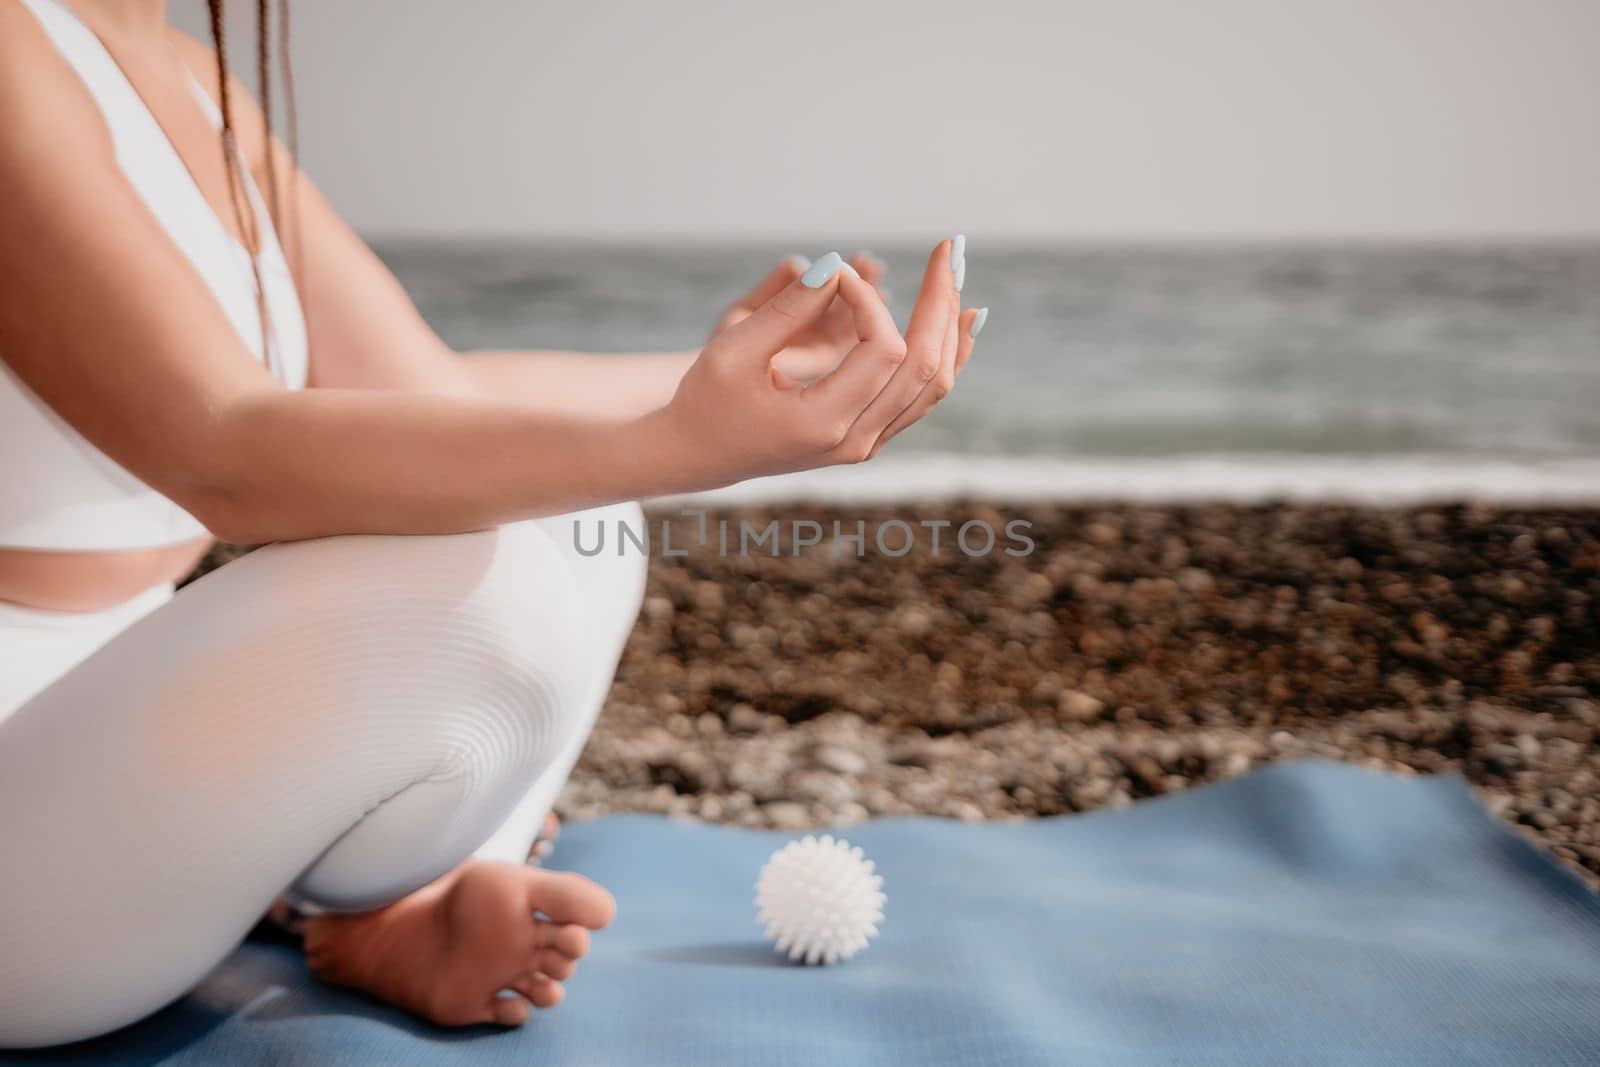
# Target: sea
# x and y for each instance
(1367, 373)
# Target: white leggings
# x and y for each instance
(344, 720)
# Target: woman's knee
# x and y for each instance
(438, 642)
(609, 548)
(449, 639)
(523, 619)
(484, 704)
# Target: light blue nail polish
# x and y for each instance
(961, 275)
(977, 323)
(800, 262)
(958, 251)
(823, 269)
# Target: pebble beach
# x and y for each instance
(1137, 651)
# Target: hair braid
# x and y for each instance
(233, 161)
(289, 224)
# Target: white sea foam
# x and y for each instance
(1391, 479)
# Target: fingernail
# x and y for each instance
(821, 271)
(958, 259)
(977, 323)
(800, 262)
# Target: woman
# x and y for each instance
(367, 720)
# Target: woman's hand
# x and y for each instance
(817, 349)
(738, 415)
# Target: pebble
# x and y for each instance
(1078, 706)
(786, 815)
(841, 760)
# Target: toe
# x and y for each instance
(510, 1011)
(545, 843)
(555, 965)
(540, 989)
(563, 897)
(570, 940)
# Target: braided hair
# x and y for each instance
(280, 201)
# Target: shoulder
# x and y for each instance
(46, 112)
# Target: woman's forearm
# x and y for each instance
(578, 383)
(289, 466)
(255, 462)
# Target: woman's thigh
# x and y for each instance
(356, 713)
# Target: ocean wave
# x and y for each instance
(1254, 478)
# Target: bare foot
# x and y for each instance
(545, 843)
(446, 951)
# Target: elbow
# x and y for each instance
(231, 500)
(226, 483)
(231, 513)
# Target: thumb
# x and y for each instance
(767, 329)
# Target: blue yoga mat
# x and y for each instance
(1310, 913)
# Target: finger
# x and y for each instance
(839, 327)
(563, 897)
(925, 345)
(869, 267)
(973, 321)
(570, 940)
(788, 269)
(540, 989)
(845, 392)
(762, 333)
(554, 965)
(935, 391)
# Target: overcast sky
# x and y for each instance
(722, 120)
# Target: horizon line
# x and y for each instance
(1462, 241)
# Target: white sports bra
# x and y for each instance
(57, 491)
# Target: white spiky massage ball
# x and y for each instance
(819, 899)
